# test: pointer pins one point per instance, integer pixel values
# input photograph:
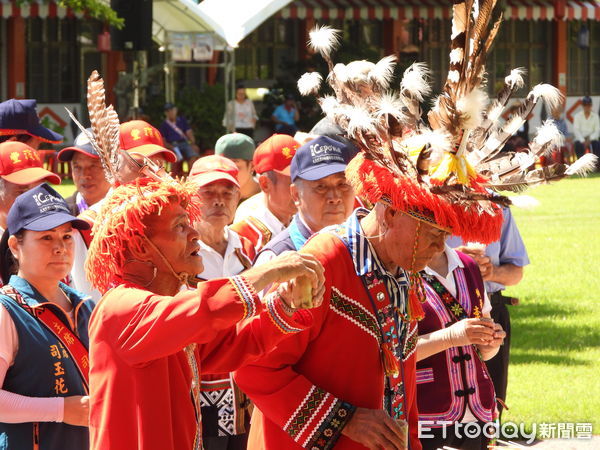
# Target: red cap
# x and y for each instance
(141, 137)
(20, 164)
(276, 154)
(214, 168)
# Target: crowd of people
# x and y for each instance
(255, 206)
(321, 290)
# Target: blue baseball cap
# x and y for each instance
(320, 158)
(80, 145)
(20, 117)
(41, 209)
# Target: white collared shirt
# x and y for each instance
(256, 206)
(217, 266)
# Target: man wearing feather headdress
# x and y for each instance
(150, 339)
(350, 381)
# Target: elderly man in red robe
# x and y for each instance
(150, 340)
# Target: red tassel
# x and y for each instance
(415, 310)
(390, 362)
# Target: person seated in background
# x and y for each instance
(285, 116)
(320, 192)
(43, 372)
(456, 336)
(179, 137)
(240, 115)
(586, 128)
(240, 149)
(20, 170)
(19, 122)
(266, 214)
(87, 172)
(224, 254)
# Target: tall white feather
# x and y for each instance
(324, 39)
(515, 78)
(414, 81)
(390, 104)
(551, 95)
(583, 165)
(309, 83)
(383, 71)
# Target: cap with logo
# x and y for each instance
(41, 209)
(235, 146)
(320, 158)
(20, 164)
(209, 169)
(275, 154)
(137, 136)
(20, 117)
(80, 145)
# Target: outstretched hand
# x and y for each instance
(375, 429)
(303, 273)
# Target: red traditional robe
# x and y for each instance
(140, 377)
(307, 389)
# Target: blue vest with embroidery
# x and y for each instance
(43, 368)
(292, 238)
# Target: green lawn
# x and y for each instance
(555, 353)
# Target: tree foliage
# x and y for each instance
(96, 9)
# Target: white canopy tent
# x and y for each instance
(229, 21)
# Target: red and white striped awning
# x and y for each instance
(431, 9)
(589, 10)
(40, 9)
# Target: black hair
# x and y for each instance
(18, 137)
(8, 264)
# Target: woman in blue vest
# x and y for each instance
(455, 393)
(43, 329)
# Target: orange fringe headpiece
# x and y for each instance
(122, 217)
(373, 182)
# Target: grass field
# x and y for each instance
(555, 360)
(554, 374)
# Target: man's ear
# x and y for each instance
(139, 249)
(264, 183)
(388, 216)
(295, 194)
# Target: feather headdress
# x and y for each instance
(448, 168)
(104, 138)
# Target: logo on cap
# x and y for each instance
(48, 202)
(324, 153)
(287, 152)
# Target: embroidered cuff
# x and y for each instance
(247, 294)
(278, 316)
(318, 422)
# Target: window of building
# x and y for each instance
(53, 60)
(433, 37)
(521, 43)
(265, 53)
(583, 58)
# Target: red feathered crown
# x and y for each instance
(121, 217)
